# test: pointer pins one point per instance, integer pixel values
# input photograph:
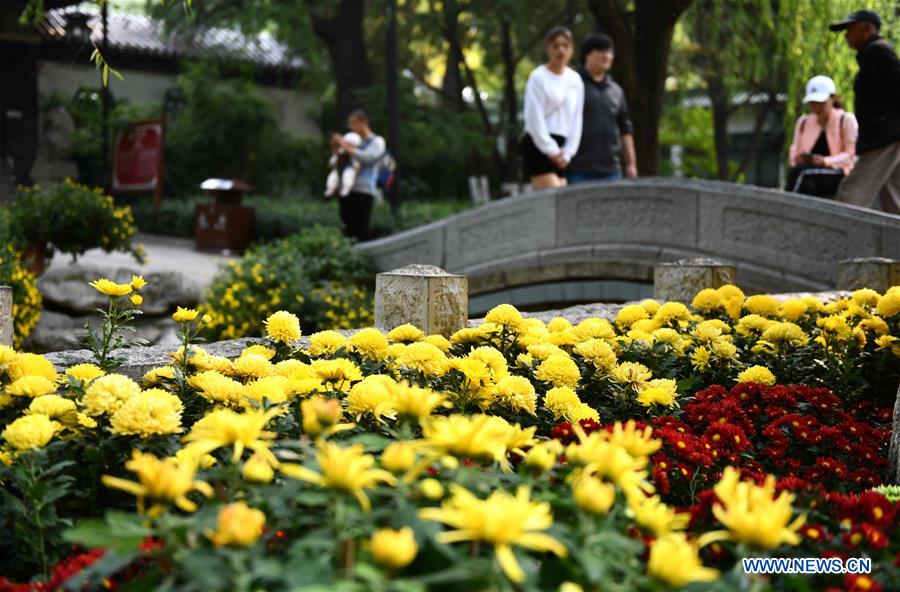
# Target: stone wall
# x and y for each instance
(778, 241)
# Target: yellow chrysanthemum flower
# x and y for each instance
(274, 389)
(793, 309)
(326, 343)
(185, 315)
(502, 520)
(631, 313)
(167, 480)
(598, 352)
(762, 305)
(344, 469)
(655, 516)
(150, 413)
(779, 336)
(30, 365)
(753, 325)
(224, 427)
(889, 304)
(55, 407)
(339, 373)
(414, 402)
(506, 315)
(252, 366)
(107, 394)
(757, 374)
(371, 396)
(283, 327)
(157, 375)
(562, 403)
(700, 359)
(137, 282)
(630, 375)
(476, 436)
(543, 456)
(111, 288)
(216, 388)
(440, 342)
(369, 343)
(406, 334)
(707, 300)
(661, 391)
(424, 357)
(30, 431)
(593, 495)
(672, 312)
(31, 386)
(638, 443)
(595, 328)
(752, 513)
(238, 526)
(258, 350)
(515, 393)
(558, 370)
(257, 469)
(321, 417)
(597, 454)
(676, 561)
(394, 549)
(399, 457)
(84, 372)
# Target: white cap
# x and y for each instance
(353, 139)
(818, 89)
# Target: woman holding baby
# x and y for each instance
(356, 158)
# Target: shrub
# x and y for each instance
(26, 297)
(315, 274)
(72, 218)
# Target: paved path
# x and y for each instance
(164, 253)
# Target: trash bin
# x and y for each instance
(224, 224)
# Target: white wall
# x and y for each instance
(292, 109)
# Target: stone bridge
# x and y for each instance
(780, 242)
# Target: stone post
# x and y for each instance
(877, 273)
(422, 295)
(6, 316)
(681, 280)
(893, 476)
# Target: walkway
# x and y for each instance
(164, 253)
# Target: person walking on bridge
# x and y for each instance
(875, 180)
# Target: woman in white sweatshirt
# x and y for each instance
(554, 99)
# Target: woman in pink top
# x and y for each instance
(824, 146)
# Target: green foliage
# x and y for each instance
(692, 129)
(316, 274)
(31, 490)
(227, 130)
(72, 218)
(280, 217)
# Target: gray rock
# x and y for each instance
(893, 476)
(67, 288)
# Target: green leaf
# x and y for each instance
(119, 531)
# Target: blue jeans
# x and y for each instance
(586, 177)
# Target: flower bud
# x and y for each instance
(594, 495)
(394, 548)
(398, 457)
(239, 526)
(431, 489)
(258, 470)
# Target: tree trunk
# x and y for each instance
(642, 39)
(510, 101)
(721, 109)
(343, 35)
(452, 84)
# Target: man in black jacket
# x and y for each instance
(875, 180)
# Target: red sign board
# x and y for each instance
(138, 158)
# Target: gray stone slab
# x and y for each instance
(627, 212)
(424, 296)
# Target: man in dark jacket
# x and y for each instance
(875, 180)
(606, 133)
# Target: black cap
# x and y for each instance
(858, 16)
(599, 41)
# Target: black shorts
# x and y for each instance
(535, 162)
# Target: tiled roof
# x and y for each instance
(140, 34)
